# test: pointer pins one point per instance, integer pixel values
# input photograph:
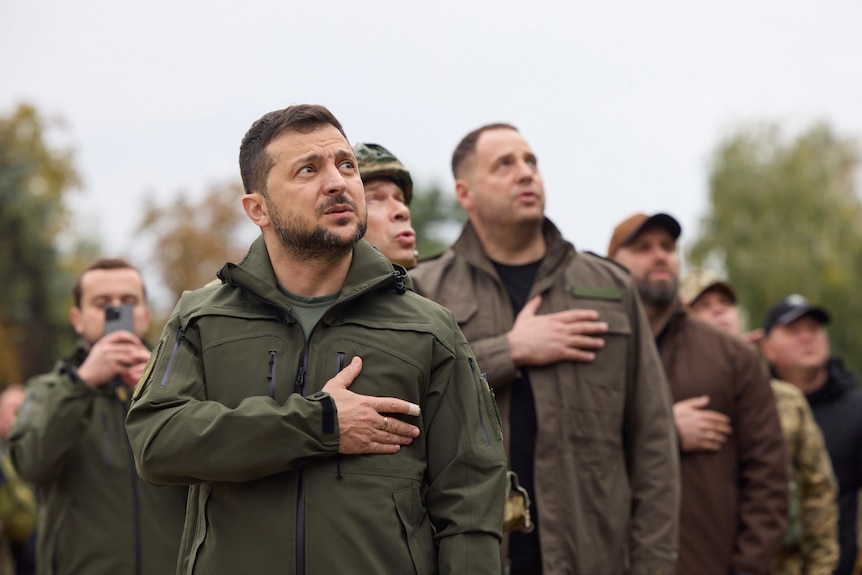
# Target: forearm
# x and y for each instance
(50, 423)
(495, 359)
(189, 441)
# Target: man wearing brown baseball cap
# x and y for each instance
(728, 523)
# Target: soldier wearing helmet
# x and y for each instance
(388, 191)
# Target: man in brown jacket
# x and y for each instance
(733, 463)
(566, 346)
(810, 545)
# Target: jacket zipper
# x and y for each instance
(181, 334)
(106, 440)
(133, 484)
(479, 402)
(300, 489)
(273, 357)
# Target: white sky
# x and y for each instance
(624, 102)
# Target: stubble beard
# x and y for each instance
(658, 294)
(318, 244)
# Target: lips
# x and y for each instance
(406, 238)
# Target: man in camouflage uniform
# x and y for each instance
(388, 191)
(811, 543)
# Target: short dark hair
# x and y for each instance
(104, 264)
(254, 161)
(467, 145)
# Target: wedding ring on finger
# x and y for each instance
(385, 423)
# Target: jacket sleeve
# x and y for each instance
(763, 469)
(466, 463)
(180, 437)
(652, 456)
(817, 491)
(54, 416)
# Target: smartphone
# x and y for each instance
(119, 318)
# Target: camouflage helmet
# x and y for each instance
(375, 161)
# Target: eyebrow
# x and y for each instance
(313, 157)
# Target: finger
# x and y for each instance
(397, 434)
(531, 307)
(394, 405)
(588, 327)
(346, 376)
(587, 342)
(699, 401)
(575, 354)
(576, 315)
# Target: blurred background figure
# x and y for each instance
(96, 515)
(388, 191)
(733, 462)
(810, 545)
(18, 507)
(796, 345)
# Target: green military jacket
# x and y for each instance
(96, 515)
(232, 403)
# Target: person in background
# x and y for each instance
(568, 351)
(18, 506)
(733, 463)
(247, 398)
(96, 515)
(796, 345)
(388, 192)
(810, 546)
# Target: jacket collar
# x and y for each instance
(368, 270)
(558, 249)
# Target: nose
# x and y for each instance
(526, 171)
(400, 211)
(334, 182)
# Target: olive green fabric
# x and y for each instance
(232, 402)
(96, 515)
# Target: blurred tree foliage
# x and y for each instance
(192, 239)
(785, 217)
(437, 219)
(35, 178)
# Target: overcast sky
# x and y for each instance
(623, 102)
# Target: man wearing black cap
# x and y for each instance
(797, 348)
(733, 464)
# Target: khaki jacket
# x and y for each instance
(232, 403)
(811, 542)
(606, 463)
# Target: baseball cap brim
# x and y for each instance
(630, 228)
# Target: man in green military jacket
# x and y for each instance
(96, 516)
(247, 394)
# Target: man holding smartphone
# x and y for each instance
(69, 439)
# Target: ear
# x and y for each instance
(766, 349)
(463, 194)
(256, 210)
(75, 318)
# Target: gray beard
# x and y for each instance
(658, 294)
(318, 244)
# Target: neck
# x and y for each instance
(309, 277)
(513, 245)
(807, 379)
(659, 316)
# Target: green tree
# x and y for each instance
(785, 217)
(436, 218)
(194, 238)
(34, 180)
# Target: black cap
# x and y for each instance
(789, 310)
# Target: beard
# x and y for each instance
(658, 294)
(317, 244)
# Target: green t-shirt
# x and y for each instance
(309, 310)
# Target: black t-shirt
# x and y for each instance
(524, 550)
